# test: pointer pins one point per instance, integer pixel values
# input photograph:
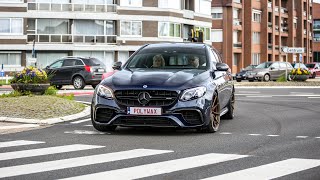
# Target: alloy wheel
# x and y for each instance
(215, 113)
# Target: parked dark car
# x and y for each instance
(177, 94)
(76, 71)
(314, 69)
(269, 71)
(242, 75)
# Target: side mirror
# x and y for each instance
(271, 68)
(222, 67)
(47, 67)
(117, 65)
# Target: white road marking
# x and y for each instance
(80, 121)
(273, 135)
(19, 126)
(249, 92)
(300, 93)
(148, 170)
(314, 97)
(45, 151)
(77, 162)
(225, 133)
(265, 96)
(84, 132)
(254, 134)
(270, 171)
(318, 137)
(301, 137)
(18, 143)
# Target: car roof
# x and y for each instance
(182, 44)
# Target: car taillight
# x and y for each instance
(88, 68)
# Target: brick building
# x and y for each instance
(316, 31)
(253, 31)
(107, 29)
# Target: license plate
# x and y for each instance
(149, 111)
(238, 76)
(100, 70)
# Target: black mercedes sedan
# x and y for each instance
(182, 85)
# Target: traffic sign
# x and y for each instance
(2, 73)
(32, 60)
(292, 50)
(300, 57)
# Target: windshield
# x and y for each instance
(93, 62)
(299, 65)
(310, 65)
(249, 67)
(169, 58)
(263, 65)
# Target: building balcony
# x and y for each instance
(305, 31)
(71, 7)
(270, 25)
(276, 47)
(269, 4)
(237, 1)
(316, 27)
(237, 44)
(304, 13)
(237, 22)
(284, 10)
(276, 9)
(269, 46)
(277, 27)
(69, 38)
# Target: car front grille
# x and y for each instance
(104, 115)
(157, 97)
(145, 121)
(193, 117)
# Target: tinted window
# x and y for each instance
(57, 64)
(69, 62)
(169, 58)
(79, 63)
(93, 62)
(310, 65)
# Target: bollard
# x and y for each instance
(7, 78)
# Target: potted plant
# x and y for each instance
(299, 74)
(31, 79)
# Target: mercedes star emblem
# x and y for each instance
(144, 98)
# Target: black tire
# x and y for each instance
(58, 86)
(238, 80)
(230, 114)
(214, 123)
(314, 75)
(78, 82)
(250, 80)
(266, 77)
(94, 85)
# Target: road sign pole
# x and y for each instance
(286, 67)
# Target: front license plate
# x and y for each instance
(149, 111)
(100, 70)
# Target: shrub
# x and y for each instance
(30, 75)
(299, 71)
(51, 91)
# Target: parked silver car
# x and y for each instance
(269, 71)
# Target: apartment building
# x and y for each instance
(253, 31)
(110, 30)
(316, 31)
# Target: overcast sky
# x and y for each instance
(317, 1)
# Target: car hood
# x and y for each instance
(173, 78)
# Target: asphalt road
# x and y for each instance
(275, 134)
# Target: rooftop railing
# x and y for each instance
(60, 7)
(69, 38)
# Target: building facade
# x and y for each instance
(316, 32)
(110, 30)
(253, 31)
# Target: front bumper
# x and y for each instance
(189, 114)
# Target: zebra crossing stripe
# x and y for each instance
(18, 143)
(270, 171)
(45, 151)
(77, 162)
(19, 126)
(161, 167)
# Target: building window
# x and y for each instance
(50, 26)
(12, 26)
(255, 59)
(169, 5)
(203, 6)
(10, 59)
(216, 35)
(216, 12)
(11, 1)
(235, 59)
(316, 37)
(167, 29)
(131, 3)
(235, 13)
(316, 56)
(206, 32)
(131, 28)
(256, 16)
(256, 37)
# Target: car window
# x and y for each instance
(263, 65)
(216, 56)
(79, 63)
(69, 62)
(310, 65)
(283, 65)
(57, 64)
(170, 58)
(93, 62)
(300, 65)
(275, 65)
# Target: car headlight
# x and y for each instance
(193, 93)
(104, 91)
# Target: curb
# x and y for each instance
(84, 113)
